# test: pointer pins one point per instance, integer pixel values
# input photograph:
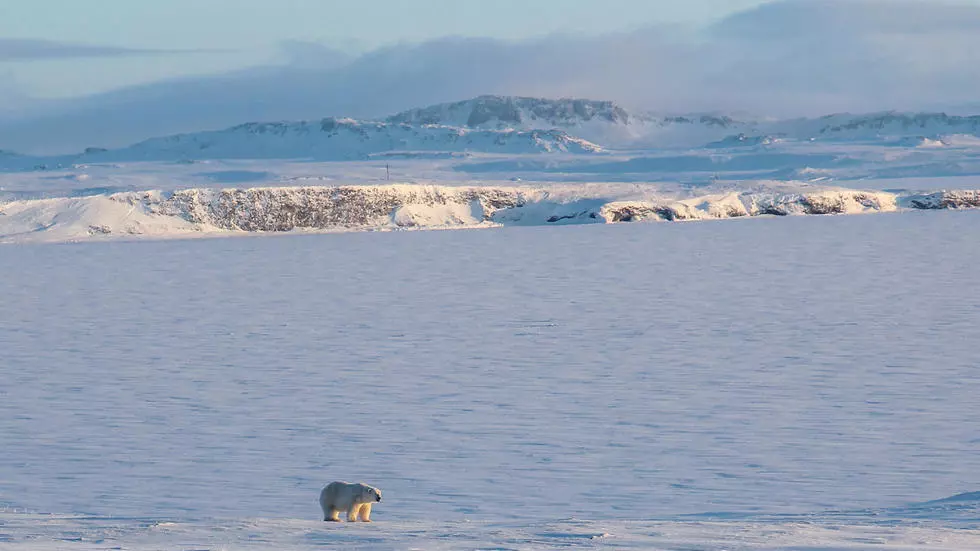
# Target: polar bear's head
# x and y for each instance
(370, 493)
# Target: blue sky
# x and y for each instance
(231, 34)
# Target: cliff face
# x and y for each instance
(515, 112)
(942, 200)
(361, 207)
(387, 207)
(285, 209)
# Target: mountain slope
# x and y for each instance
(896, 124)
(612, 125)
(342, 139)
(602, 122)
(516, 112)
(518, 125)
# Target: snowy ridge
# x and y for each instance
(899, 124)
(603, 122)
(897, 128)
(961, 199)
(326, 140)
(353, 208)
(611, 125)
(341, 139)
(517, 126)
(516, 112)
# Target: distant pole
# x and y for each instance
(387, 172)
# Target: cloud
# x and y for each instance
(785, 58)
(312, 55)
(813, 56)
(841, 18)
(12, 49)
(14, 98)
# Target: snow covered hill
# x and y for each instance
(503, 125)
(214, 211)
(612, 125)
(343, 139)
(603, 122)
(516, 112)
(887, 128)
(890, 125)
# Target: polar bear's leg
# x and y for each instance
(352, 512)
(365, 513)
(328, 497)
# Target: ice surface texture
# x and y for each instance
(795, 383)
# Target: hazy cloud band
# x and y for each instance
(28, 50)
(786, 58)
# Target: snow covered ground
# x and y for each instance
(569, 379)
(84, 533)
(800, 383)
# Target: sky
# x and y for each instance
(73, 75)
(198, 37)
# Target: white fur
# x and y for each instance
(356, 499)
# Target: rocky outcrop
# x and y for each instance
(905, 122)
(353, 207)
(822, 202)
(359, 208)
(634, 211)
(956, 199)
(286, 209)
(514, 112)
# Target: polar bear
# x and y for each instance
(356, 499)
